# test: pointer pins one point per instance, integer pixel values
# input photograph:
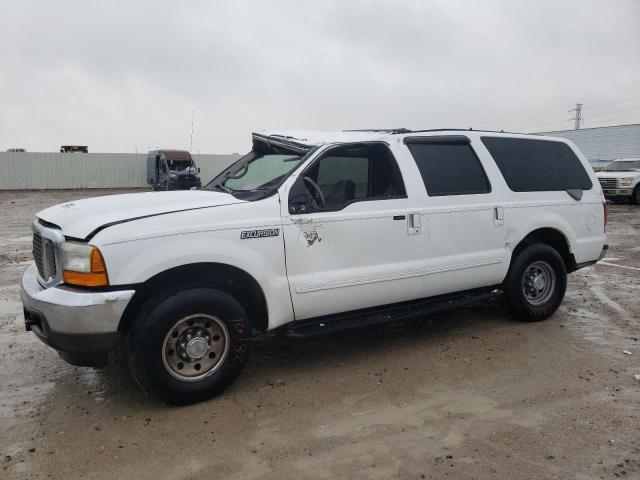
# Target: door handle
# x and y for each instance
(413, 225)
(399, 217)
(498, 216)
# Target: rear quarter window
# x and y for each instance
(448, 166)
(531, 165)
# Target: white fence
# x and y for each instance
(42, 171)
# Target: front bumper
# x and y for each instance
(617, 192)
(81, 325)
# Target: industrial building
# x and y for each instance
(53, 170)
(603, 144)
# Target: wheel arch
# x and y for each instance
(227, 278)
(552, 237)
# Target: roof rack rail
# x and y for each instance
(395, 131)
(462, 130)
(388, 130)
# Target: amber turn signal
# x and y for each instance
(97, 277)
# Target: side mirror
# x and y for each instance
(198, 169)
(300, 200)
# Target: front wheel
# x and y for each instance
(189, 346)
(635, 198)
(536, 283)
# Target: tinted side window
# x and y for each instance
(530, 165)
(449, 168)
(332, 170)
(347, 174)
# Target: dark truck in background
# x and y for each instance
(74, 149)
(172, 170)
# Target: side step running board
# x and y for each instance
(315, 327)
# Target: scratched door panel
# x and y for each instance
(355, 258)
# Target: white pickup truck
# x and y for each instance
(620, 180)
(311, 233)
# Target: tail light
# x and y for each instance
(606, 215)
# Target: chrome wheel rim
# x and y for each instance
(195, 347)
(538, 282)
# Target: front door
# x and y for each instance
(352, 236)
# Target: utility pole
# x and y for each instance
(577, 119)
(193, 116)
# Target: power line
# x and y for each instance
(577, 120)
(587, 117)
(193, 117)
(508, 122)
(547, 127)
(625, 120)
(612, 103)
(556, 114)
(555, 127)
(614, 111)
(560, 123)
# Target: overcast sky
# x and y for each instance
(125, 75)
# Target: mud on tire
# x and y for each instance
(188, 346)
(536, 283)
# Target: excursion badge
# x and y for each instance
(267, 232)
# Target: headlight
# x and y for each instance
(173, 176)
(82, 264)
(626, 182)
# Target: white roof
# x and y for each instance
(322, 137)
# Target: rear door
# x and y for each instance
(463, 214)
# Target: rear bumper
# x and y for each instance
(82, 326)
(603, 253)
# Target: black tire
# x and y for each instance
(520, 292)
(148, 354)
(635, 198)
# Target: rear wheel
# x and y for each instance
(190, 346)
(536, 283)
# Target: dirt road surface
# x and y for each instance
(467, 394)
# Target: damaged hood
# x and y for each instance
(79, 218)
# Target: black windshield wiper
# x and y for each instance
(224, 188)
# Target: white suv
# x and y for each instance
(620, 180)
(311, 233)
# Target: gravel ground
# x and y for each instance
(467, 394)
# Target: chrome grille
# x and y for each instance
(46, 250)
(608, 183)
(37, 253)
(44, 254)
(49, 257)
